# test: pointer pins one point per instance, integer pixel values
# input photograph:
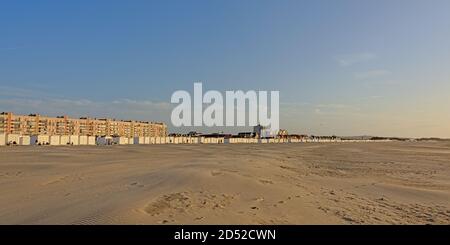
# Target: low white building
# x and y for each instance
(54, 140)
(12, 139)
(139, 140)
(163, 140)
(2, 139)
(121, 140)
(24, 140)
(91, 140)
(186, 140)
(104, 140)
(40, 139)
(263, 141)
(171, 140)
(232, 140)
(201, 140)
(83, 140)
(64, 140)
(177, 140)
(152, 140)
(74, 140)
(242, 140)
(155, 140)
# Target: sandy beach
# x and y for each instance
(326, 183)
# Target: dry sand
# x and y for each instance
(327, 183)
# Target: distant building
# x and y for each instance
(175, 135)
(262, 131)
(283, 133)
(193, 134)
(35, 124)
(246, 135)
(216, 135)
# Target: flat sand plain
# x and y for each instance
(301, 183)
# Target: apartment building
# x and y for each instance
(35, 124)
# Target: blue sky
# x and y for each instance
(342, 67)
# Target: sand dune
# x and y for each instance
(343, 183)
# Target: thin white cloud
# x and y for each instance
(9, 91)
(333, 106)
(351, 59)
(376, 97)
(371, 74)
(335, 109)
(293, 110)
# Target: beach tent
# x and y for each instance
(40, 139)
(74, 140)
(12, 139)
(24, 140)
(82, 140)
(91, 140)
(2, 139)
(121, 140)
(64, 140)
(139, 140)
(54, 140)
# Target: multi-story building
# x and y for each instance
(34, 124)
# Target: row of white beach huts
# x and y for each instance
(15, 139)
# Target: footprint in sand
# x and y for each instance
(136, 184)
(182, 202)
(259, 199)
(264, 181)
(175, 201)
(164, 221)
(216, 173)
(56, 180)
